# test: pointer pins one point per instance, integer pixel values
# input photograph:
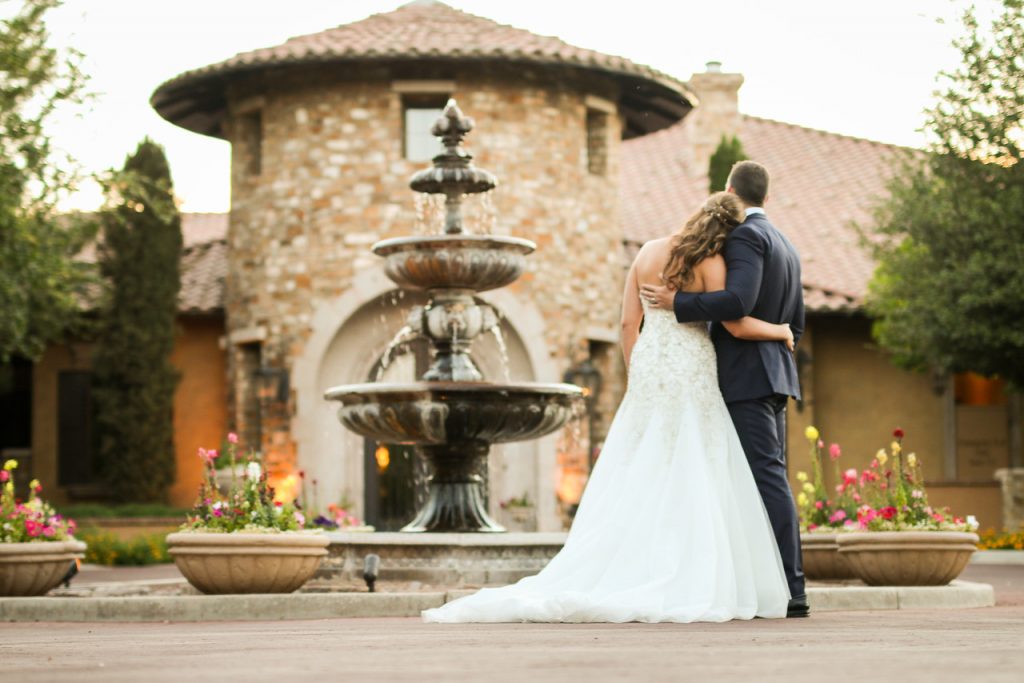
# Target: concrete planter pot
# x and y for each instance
(34, 568)
(219, 563)
(822, 561)
(907, 558)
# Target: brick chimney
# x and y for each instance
(716, 115)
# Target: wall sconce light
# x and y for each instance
(587, 377)
(273, 384)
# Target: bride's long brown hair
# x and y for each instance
(703, 236)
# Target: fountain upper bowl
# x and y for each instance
(472, 262)
(429, 413)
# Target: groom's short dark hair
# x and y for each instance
(749, 180)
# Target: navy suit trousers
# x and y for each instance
(761, 425)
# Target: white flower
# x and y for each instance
(252, 470)
(972, 521)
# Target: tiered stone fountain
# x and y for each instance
(452, 415)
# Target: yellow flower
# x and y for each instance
(34, 484)
(809, 487)
(801, 500)
(895, 447)
(11, 465)
(912, 460)
(9, 487)
(881, 456)
(811, 433)
(801, 476)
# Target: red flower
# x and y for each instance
(898, 433)
(887, 512)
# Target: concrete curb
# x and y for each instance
(957, 595)
(256, 607)
(1003, 557)
(261, 607)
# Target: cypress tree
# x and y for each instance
(728, 152)
(133, 379)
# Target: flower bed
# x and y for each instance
(37, 545)
(243, 540)
(887, 497)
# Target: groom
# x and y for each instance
(756, 378)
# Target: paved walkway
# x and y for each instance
(954, 647)
(959, 646)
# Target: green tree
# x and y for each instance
(948, 293)
(728, 152)
(41, 285)
(133, 379)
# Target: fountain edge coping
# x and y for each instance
(398, 538)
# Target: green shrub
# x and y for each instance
(107, 549)
(98, 510)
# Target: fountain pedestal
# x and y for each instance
(455, 500)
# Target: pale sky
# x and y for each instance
(865, 68)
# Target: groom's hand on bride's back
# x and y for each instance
(658, 296)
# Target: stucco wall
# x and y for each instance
(200, 401)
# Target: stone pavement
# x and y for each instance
(937, 647)
(961, 646)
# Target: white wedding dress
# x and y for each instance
(671, 527)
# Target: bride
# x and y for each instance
(671, 527)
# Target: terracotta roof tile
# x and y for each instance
(822, 184)
(416, 31)
(203, 269)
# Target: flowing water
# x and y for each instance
(499, 338)
(429, 214)
(403, 335)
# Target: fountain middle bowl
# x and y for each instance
(433, 413)
(470, 262)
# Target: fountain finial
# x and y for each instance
(451, 173)
(451, 128)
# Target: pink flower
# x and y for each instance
(207, 456)
(4, 476)
(850, 476)
(821, 444)
(48, 531)
(856, 498)
(818, 504)
(300, 518)
(834, 452)
(812, 527)
(917, 494)
(232, 437)
(837, 516)
(217, 512)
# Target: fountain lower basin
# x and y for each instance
(453, 424)
(435, 413)
(454, 262)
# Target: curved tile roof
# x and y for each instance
(423, 31)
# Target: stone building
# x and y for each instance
(326, 131)
(595, 155)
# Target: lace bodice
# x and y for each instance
(673, 359)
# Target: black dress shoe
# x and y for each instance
(798, 608)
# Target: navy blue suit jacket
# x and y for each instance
(763, 281)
